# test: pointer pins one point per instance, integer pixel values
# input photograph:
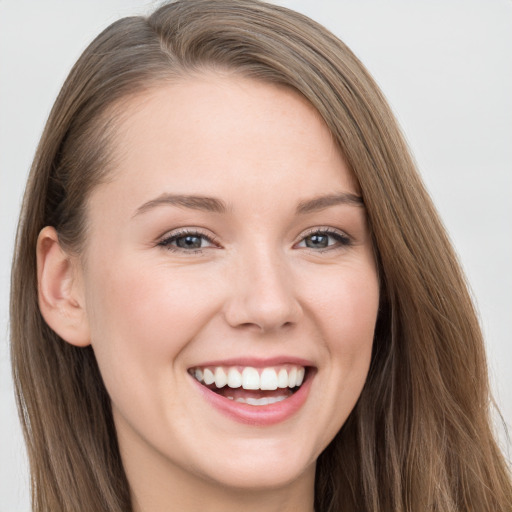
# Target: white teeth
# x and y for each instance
(220, 378)
(234, 378)
(268, 379)
(250, 378)
(275, 399)
(300, 376)
(260, 401)
(292, 378)
(208, 377)
(257, 401)
(282, 379)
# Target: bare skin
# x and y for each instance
(275, 266)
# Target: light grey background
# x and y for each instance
(446, 68)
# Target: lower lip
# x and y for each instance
(259, 415)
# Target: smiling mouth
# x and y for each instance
(249, 385)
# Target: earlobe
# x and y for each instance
(60, 290)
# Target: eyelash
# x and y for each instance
(168, 241)
(342, 240)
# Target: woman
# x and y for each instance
(243, 295)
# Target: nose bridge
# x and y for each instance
(263, 295)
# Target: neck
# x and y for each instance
(224, 500)
(160, 484)
(160, 489)
(189, 495)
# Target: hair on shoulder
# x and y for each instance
(412, 442)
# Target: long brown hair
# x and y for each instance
(419, 438)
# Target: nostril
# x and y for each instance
(263, 318)
(264, 297)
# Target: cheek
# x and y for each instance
(347, 313)
(347, 304)
(142, 317)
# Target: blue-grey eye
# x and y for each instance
(185, 241)
(324, 240)
(317, 241)
(189, 242)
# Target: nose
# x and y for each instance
(262, 294)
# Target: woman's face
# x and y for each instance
(230, 244)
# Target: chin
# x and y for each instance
(264, 464)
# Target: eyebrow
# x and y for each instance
(214, 205)
(207, 204)
(322, 202)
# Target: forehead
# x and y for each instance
(216, 133)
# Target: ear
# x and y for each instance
(60, 290)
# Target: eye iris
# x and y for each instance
(189, 242)
(317, 241)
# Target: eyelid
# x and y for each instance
(166, 239)
(346, 240)
(342, 238)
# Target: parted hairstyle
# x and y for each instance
(420, 436)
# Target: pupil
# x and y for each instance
(189, 242)
(316, 241)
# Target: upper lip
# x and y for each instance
(256, 362)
